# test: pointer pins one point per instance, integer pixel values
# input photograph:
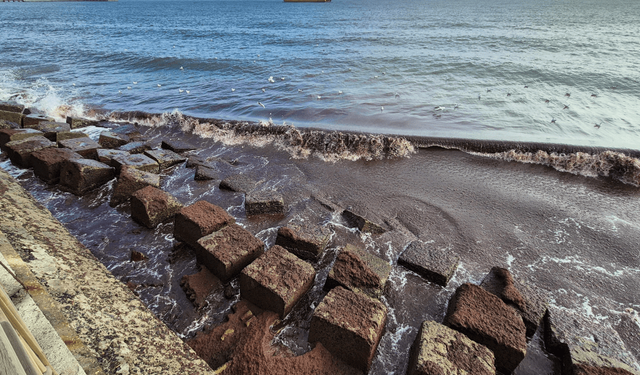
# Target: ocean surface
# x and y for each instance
(479, 69)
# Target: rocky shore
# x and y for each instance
(328, 284)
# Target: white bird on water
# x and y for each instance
(439, 108)
(271, 80)
(340, 92)
(181, 68)
(319, 97)
(261, 105)
(263, 90)
(188, 92)
(128, 87)
(232, 90)
(381, 108)
(119, 91)
(135, 82)
(180, 90)
(282, 79)
(159, 85)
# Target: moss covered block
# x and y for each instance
(276, 280)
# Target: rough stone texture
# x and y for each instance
(137, 147)
(358, 221)
(242, 346)
(131, 180)
(11, 107)
(356, 269)
(20, 151)
(47, 163)
(585, 346)
(130, 130)
(78, 122)
(10, 135)
(205, 173)
(51, 129)
(239, 183)
(304, 239)
(106, 315)
(137, 161)
(83, 175)
(151, 206)
(198, 220)
(629, 331)
(267, 202)
(61, 136)
(527, 301)
(165, 158)
(12, 117)
(431, 263)
(109, 139)
(439, 349)
(276, 280)
(488, 321)
(137, 256)
(177, 145)
(349, 324)
(226, 252)
(4, 124)
(194, 161)
(106, 155)
(30, 121)
(199, 285)
(86, 147)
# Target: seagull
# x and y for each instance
(455, 106)
(271, 80)
(349, 69)
(263, 90)
(375, 76)
(232, 90)
(339, 92)
(526, 87)
(188, 92)
(159, 85)
(258, 55)
(384, 73)
(381, 108)
(261, 105)
(215, 58)
(397, 95)
(180, 90)
(75, 84)
(135, 82)
(119, 91)
(299, 90)
(181, 68)
(439, 108)
(479, 97)
(282, 78)
(128, 87)
(488, 90)
(319, 97)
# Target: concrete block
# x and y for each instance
(51, 129)
(433, 264)
(10, 135)
(151, 206)
(356, 269)
(4, 124)
(79, 122)
(109, 139)
(138, 161)
(349, 325)
(198, 286)
(165, 158)
(226, 252)
(11, 107)
(86, 147)
(177, 145)
(20, 151)
(198, 220)
(61, 136)
(83, 175)
(30, 121)
(47, 163)
(267, 202)
(239, 183)
(137, 147)
(106, 155)
(365, 225)
(205, 173)
(12, 117)
(129, 181)
(276, 281)
(304, 239)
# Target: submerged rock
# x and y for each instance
(266, 202)
(305, 240)
(238, 183)
(226, 252)
(276, 280)
(83, 175)
(198, 220)
(20, 151)
(433, 264)
(47, 163)
(487, 320)
(527, 301)
(349, 324)
(151, 206)
(358, 221)
(358, 270)
(439, 349)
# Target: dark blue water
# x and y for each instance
(433, 68)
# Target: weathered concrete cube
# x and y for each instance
(226, 252)
(276, 280)
(83, 175)
(137, 147)
(165, 158)
(195, 161)
(4, 124)
(61, 136)
(526, 300)
(151, 206)
(109, 139)
(130, 130)
(106, 155)
(47, 163)
(267, 202)
(138, 161)
(10, 135)
(177, 145)
(86, 147)
(205, 173)
(129, 181)
(239, 183)
(487, 320)
(30, 121)
(586, 347)
(439, 349)
(51, 129)
(304, 239)
(365, 225)
(198, 220)
(79, 122)
(435, 265)
(10, 116)
(20, 151)
(198, 286)
(349, 325)
(10, 106)
(356, 269)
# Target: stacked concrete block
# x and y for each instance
(151, 206)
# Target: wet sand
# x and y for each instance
(573, 237)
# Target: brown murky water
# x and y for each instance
(574, 237)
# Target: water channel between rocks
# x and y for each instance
(573, 237)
